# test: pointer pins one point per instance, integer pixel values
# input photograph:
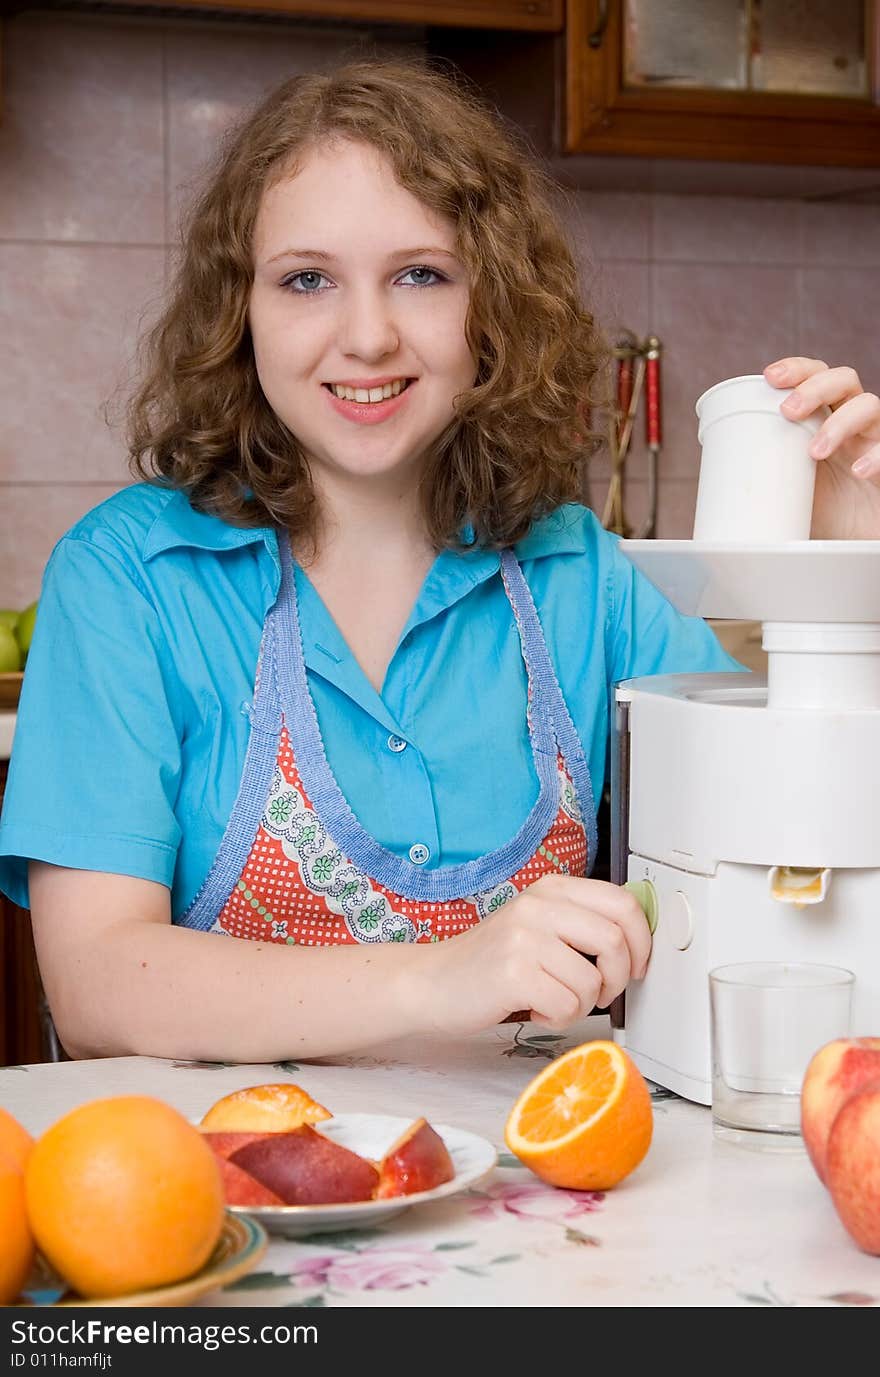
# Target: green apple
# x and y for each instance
(10, 655)
(24, 629)
(8, 617)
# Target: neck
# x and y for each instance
(382, 516)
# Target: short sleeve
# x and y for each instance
(648, 635)
(96, 755)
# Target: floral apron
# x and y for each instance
(295, 865)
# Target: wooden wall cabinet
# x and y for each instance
(605, 115)
(546, 16)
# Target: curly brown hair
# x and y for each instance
(518, 445)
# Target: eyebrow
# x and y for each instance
(323, 257)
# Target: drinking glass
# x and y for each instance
(768, 1019)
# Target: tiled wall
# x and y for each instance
(104, 123)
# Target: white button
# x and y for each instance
(396, 743)
(419, 853)
(679, 921)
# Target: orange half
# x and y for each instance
(585, 1121)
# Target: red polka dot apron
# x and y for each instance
(296, 866)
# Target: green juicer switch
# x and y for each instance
(646, 897)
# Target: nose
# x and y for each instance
(367, 328)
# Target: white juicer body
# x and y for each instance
(722, 793)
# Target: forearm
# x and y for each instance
(156, 990)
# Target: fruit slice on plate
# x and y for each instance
(223, 1145)
(585, 1121)
(418, 1161)
(305, 1168)
(240, 1188)
(264, 1109)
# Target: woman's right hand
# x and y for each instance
(531, 955)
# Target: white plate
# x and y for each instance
(371, 1135)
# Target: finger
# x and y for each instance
(571, 969)
(868, 465)
(614, 964)
(859, 416)
(553, 1004)
(592, 934)
(790, 372)
(833, 387)
(621, 907)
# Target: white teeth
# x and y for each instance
(372, 394)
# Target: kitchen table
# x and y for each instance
(699, 1223)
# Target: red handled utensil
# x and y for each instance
(653, 429)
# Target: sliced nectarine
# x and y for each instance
(304, 1167)
(224, 1144)
(240, 1188)
(264, 1109)
(418, 1161)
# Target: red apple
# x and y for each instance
(418, 1161)
(240, 1188)
(836, 1071)
(305, 1168)
(853, 1166)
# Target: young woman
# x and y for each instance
(334, 679)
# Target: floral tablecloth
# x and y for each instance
(699, 1223)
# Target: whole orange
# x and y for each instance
(15, 1141)
(124, 1195)
(16, 1240)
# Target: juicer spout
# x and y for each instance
(798, 884)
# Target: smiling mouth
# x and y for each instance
(369, 396)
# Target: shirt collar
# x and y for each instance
(562, 532)
(455, 572)
(453, 575)
(178, 523)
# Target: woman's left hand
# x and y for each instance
(846, 505)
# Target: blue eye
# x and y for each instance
(422, 269)
(306, 281)
(300, 277)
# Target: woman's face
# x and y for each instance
(357, 284)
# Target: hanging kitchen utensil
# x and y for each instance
(630, 375)
(653, 430)
(638, 365)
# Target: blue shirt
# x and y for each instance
(131, 730)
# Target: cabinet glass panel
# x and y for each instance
(799, 47)
(685, 43)
(810, 47)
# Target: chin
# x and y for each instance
(378, 465)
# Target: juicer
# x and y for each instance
(751, 803)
